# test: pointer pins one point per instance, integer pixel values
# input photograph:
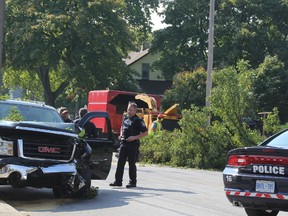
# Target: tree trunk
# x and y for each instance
(43, 74)
(49, 96)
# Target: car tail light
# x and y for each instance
(245, 160)
(239, 160)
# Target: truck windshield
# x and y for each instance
(30, 113)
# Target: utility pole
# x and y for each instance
(210, 55)
(2, 5)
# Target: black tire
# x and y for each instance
(259, 212)
(66, 191)
(86, 174)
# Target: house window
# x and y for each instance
(145, 70)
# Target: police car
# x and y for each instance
(256, 178)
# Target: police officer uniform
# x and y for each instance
(130, 127)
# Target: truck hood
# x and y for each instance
(64, 129)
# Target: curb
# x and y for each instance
(6, 209)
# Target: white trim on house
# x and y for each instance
(138, 62)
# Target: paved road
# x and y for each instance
(161, 191)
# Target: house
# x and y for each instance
(150, 80)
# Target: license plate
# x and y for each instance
(265, 186)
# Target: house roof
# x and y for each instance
(135, 56)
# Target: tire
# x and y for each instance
(86, 175)
(66, 191)
(259, 212)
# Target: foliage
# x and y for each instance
(183, 43)
(4, 92)
(249, 31)
(156, 147)
(233, 100)
(270, 87)
(272, 123)
(29, 83)
(4, 97)
(209, 144)
(188, 88)
(80, 44)
(139, 16)
(197, 145)
(91, 193)
(200, 145)
(243, 30)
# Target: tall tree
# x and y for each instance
(251, 30)
(78, 42)
(244, 29)
(183, 43)
(270, 87)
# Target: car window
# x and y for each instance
(279, 141)
(31, 113)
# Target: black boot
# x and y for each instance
(115, 184)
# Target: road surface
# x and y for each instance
(161, 191)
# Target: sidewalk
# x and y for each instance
(7, 210)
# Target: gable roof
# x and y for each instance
(135, 56)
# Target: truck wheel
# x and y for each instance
(259, 212)
(66, 191)
(86, 175)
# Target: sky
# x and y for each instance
(156, 20)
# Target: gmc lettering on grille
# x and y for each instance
(51, 150)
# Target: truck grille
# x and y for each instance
(46, 149)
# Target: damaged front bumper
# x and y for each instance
(25, 171)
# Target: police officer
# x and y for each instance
(133, 128)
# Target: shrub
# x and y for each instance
(156, 147)
(202, 145)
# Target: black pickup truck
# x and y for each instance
(40, 150)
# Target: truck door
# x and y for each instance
(101, 143)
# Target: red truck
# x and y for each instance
(115, 103)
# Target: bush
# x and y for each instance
(197, 144)
(156, 147)
(271, 124)
(202, 145)
(207, 145)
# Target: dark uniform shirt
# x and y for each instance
(132, 126)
